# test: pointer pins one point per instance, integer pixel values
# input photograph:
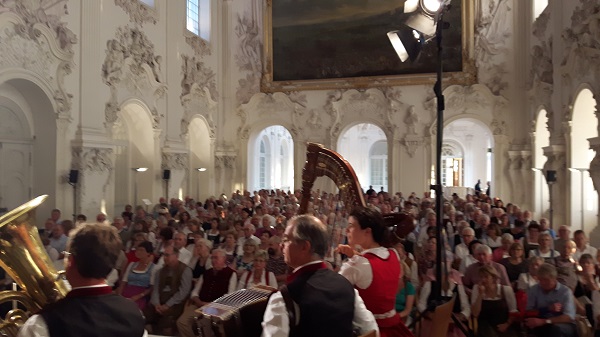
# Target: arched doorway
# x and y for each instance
(472, 156)
(542, 139)
(271, 156)
(27, 168)
(584, 199)
(355, 143)
(134, 142)
(201, 185)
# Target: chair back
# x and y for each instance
(441, 318)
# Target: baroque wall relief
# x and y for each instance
(581, 41)
(248, 56)
(271, 109)
(198, 94)
(492, 45)
(139, 13)
(35, 38)
(92, 161)
(131, 69)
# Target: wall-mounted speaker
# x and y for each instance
(550, 176)
(73, 176)
(166, 174)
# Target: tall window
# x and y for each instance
(262, 165)
(452, 166)
(198, 18)
(378, 158)
(148, 2)
(538, 7)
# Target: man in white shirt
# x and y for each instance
(249, 230)
(582, 245)
(179, 242)
(322, 301)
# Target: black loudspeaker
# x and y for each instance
(166, 174)
(550, 176)
(73, 176)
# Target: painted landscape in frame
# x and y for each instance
(333, 44)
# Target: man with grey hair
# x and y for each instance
(316, 300)
(214, 283)
(467, 235)
(554, 304)
(483, 255)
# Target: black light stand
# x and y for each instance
(437, 187)
(74, 185)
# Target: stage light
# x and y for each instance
(407, 43)
(431, 6)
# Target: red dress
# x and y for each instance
(380, 295)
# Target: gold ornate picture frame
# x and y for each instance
(304, 41)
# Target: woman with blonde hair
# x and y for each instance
(492, 305)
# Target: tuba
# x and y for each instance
(24, 258)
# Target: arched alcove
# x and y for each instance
(542, 139)
(270, 159)
(200, 158)
(583, 197)
(365, 147)
(134, 140)
(476, 142)
(27, 167)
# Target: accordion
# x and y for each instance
(237, 314)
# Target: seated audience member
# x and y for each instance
(502, 251)
(427, 259)
(138, 279)
(566, 266)
(553, 305)
(200, 261)
(530, 278)
(492, 304)
(531, 240)
(214, 283)
(545, 228)
(172, 286)
(326, 301)
(586, 284)
(90, 308)
(58, 240)
(258, 275)
(483, 254)
(583, 247)
(247, 234)
(405, 298)
(544, 249)
(229, 245)
(136, 239)
(412, 272)
(469, 259)
(492, 237)
(450, 287)
(515, 264)
(564, 235)
(245, 261)
(276, 263)
(213, 234)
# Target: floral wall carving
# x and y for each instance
(131, 65)
(92, 159)
(34, 37)
(249, 55)
(175, 161)
(139, 13)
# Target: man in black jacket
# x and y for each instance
(316, 301)
(90, 308)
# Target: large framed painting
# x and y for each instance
(337, 44)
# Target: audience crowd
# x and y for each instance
(510, 273)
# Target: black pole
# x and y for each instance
(74, 185)
(439, 198)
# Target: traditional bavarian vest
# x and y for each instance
(215, 284)
(169, 281)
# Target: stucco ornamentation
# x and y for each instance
(92, 159)
(131, 69)
(139, 13)
(199, 45)
(196, 72)
(198, 102)
(34, 38)
(248, 56)
(174, 161)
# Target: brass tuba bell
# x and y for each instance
(24, 258)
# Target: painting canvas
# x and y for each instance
(345, 41)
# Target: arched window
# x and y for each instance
(452, 165)
(263, 165)
(538, 8)
(198, 18)
(378, 162)
(148, 2)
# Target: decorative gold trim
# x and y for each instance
(467, 76)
